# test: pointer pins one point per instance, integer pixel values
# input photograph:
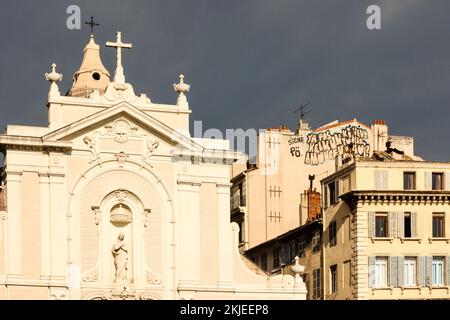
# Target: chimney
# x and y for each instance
(379, 135)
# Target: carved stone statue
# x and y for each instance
(120, 254)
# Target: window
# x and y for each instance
(437, 270)
(264, 261)
(300, 248)
(438, 225)
(333, 274)
(409, 180)
(347, 274)
(381, 271)
(437, 181)
(332, 233)
(381, 225)
(409, 272)
(316, 242)
(276, 257)
(407, 225)
(316, 284)
(292, 251)
(333, 192)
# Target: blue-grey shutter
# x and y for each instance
(371, 224)
(392, 216)
(414, 225)
(447, 270)
(401, 224)
(429, 267)
(371, 272)
(325, 196)
(400, 268)
(393, 271)
(428, 180)
(422, 271)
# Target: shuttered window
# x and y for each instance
(333, 275)
(409, 180)
(381, 271)
(332, 233)
(381, 225)
(316, 242)
(409, 271)
(437, 181)
(316, 284)
(437, 271)
(438, 225)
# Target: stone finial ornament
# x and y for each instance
(181, 88)
(53, 77)
(298, 269)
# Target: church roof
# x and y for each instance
(92, 74)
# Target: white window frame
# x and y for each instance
(381, 272)
(410, 272)
(437, 272)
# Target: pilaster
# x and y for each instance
(224, 251)
(359, 254)
(189, 228)
(14, 226)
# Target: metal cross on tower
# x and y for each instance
(92, 24)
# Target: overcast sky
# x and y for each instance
(250, 63)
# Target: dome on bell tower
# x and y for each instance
(91, 75)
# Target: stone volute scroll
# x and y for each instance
(120, 254)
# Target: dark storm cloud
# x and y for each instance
(249, 63)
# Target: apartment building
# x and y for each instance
(386, 229)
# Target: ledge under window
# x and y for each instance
(439, 239)
(410, 239)
(381, 239)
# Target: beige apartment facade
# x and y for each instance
(115, 200)
(266, 197)
(385, 230)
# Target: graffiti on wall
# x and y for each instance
(294, 146)
(323, 146)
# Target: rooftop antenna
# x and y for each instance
(302, 108)
(302, 123)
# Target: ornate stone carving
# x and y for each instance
(121, 130)
(120, 254)
(121, 194)
(145, 219)
(120, 214)
(151, 146)
(90, 142)
(91, 275)
(97, 214)
(121, 158)
(58, 294)
(152, 277)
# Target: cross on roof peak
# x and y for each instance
(92, 24)
(119, 77)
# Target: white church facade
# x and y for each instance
(115, 200)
